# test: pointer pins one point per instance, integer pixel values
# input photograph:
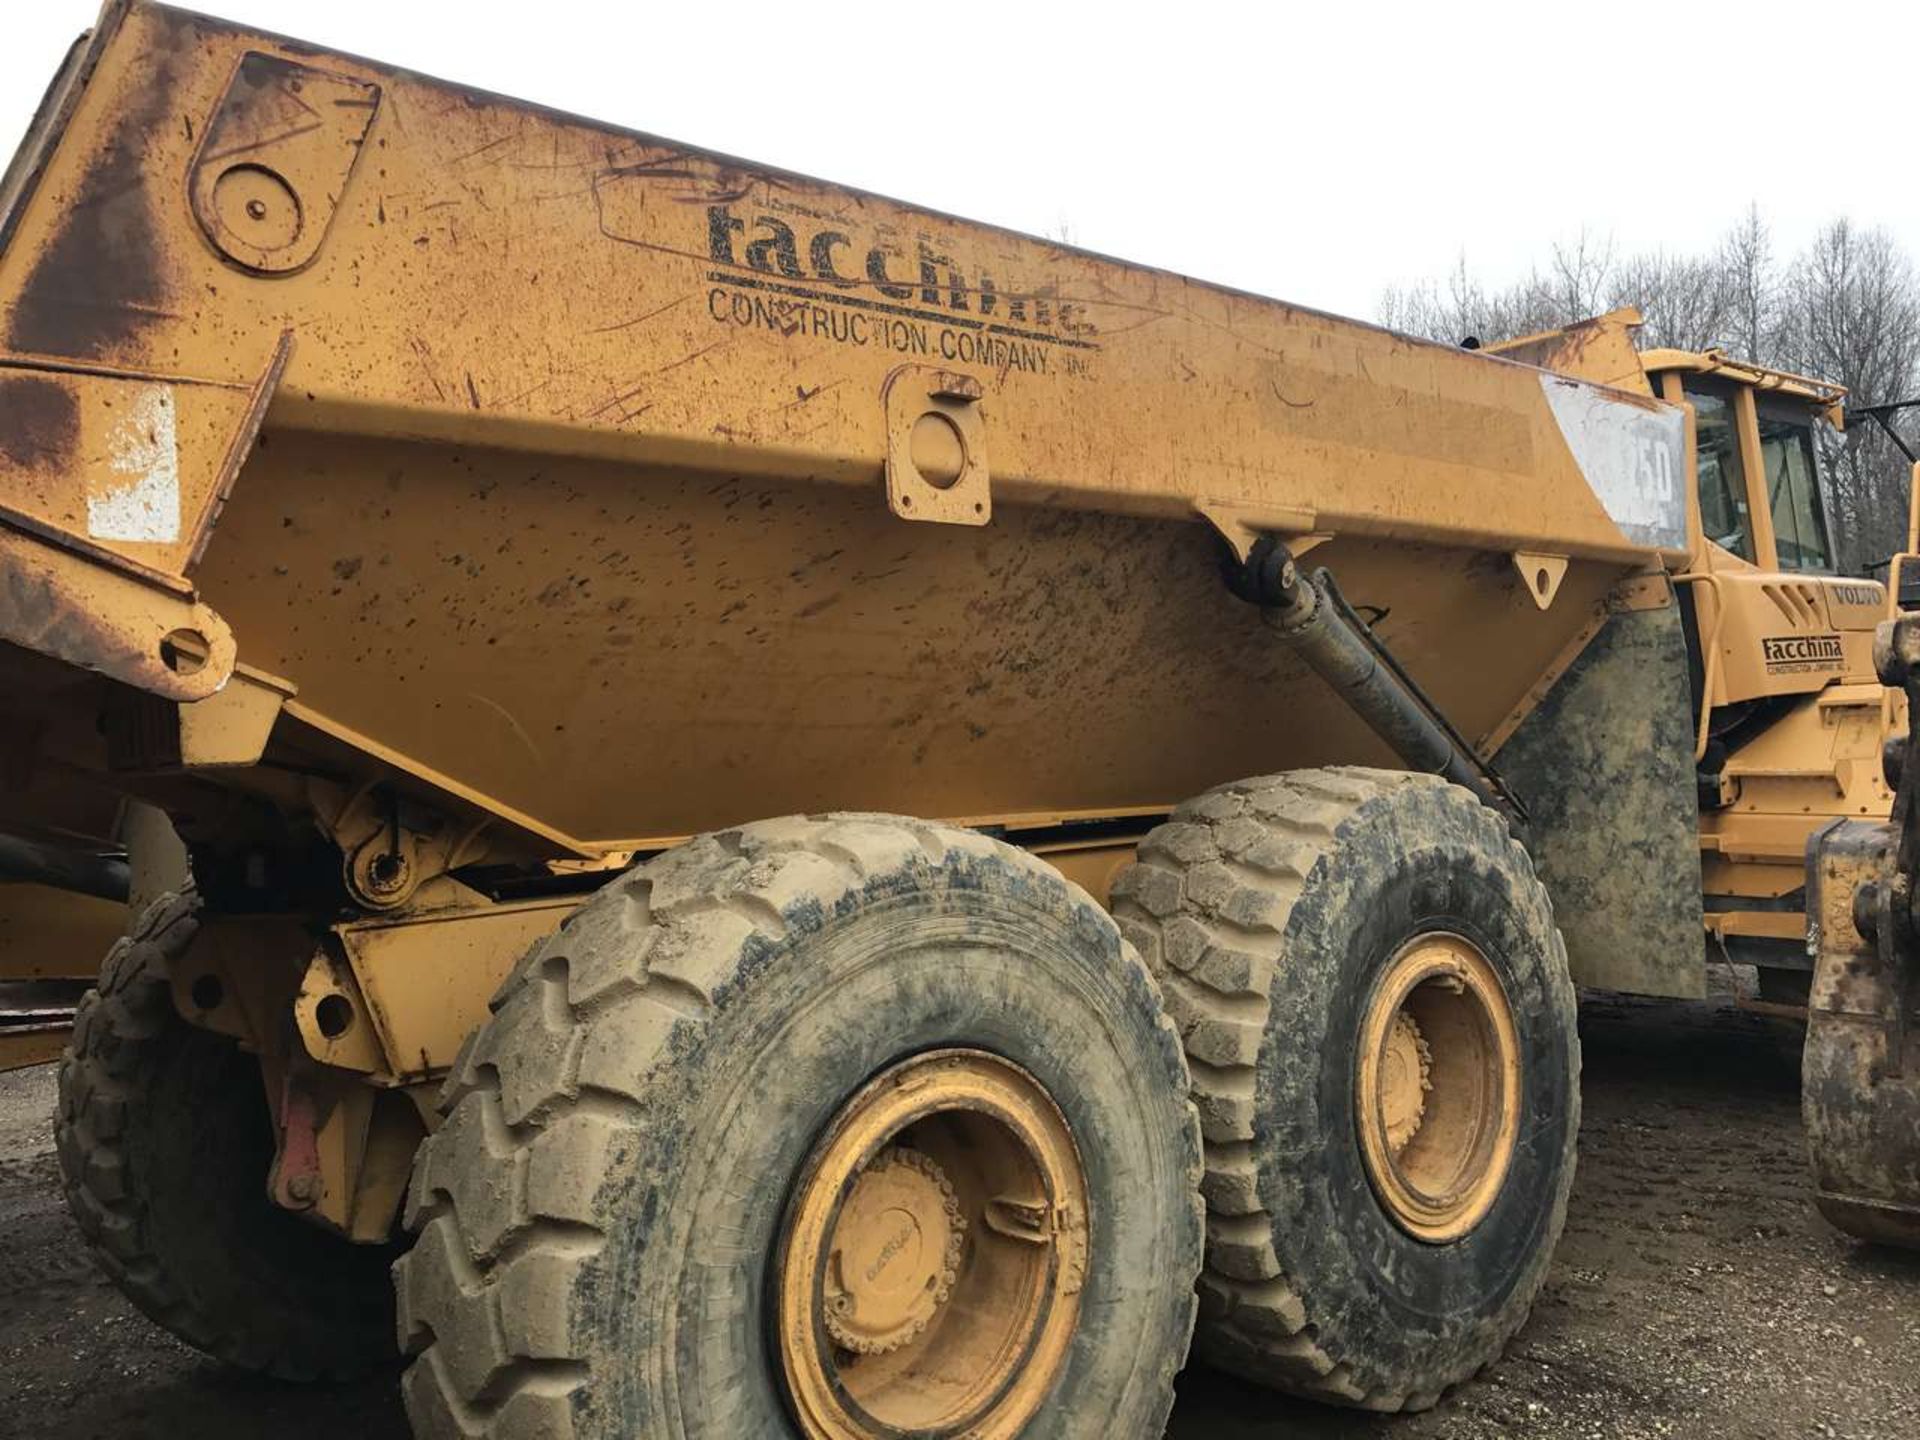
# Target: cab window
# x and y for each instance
(1793, 492)
(1718, 473)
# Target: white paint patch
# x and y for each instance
(1633, 457)
(141, 447)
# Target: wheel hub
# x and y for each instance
(930, 1267)
(894, 1254)
(1406, 1074)
(1437, 1087)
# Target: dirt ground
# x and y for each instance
(1696, 1293)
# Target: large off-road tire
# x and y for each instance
(1279, 914)
(165, 1141)
(612, 1217)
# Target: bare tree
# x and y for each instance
(1579, 278)
(1462, 308)
(1450, 312)
(1852, 314)
(1684, 299)
(1745, 264)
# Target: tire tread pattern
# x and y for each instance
(123, 1028)
(1207, 906)
(504, 1194)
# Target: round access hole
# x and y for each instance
(937, 450)
(334, 1016)
(184, 651)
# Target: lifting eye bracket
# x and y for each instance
(1540, 575)
(936, 446)
(274, 160)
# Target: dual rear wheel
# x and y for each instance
(967, 1090)
(858, 1127)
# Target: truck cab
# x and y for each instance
(1756, 457)
(1791, 716)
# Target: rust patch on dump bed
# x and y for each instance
(99, 282)
(38, 421)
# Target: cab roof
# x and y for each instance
(1818, 394)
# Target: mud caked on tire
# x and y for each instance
(165, 1141)
(759, 1080)
(1377, 1012)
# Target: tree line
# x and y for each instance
(1846, 309)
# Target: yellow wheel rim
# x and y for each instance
(929, 1272)
(1437, 1088)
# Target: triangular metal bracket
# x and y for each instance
(1540, 575)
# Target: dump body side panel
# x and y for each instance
(494, 273)
(543, 466)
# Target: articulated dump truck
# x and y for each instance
(805, 818)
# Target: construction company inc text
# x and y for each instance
(820, 285)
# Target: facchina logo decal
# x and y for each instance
(803, 279)
(1794, 654)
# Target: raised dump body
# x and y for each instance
(430, 501)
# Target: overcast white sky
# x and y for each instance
(1316, 152)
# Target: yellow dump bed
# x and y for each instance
(354, 425)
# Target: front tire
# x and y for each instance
(623, 1226)
(1380, 1024)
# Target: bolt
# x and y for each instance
(301, 1187)
(256, 209)
(386, 874)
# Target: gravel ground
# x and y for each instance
(1696, 1293)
